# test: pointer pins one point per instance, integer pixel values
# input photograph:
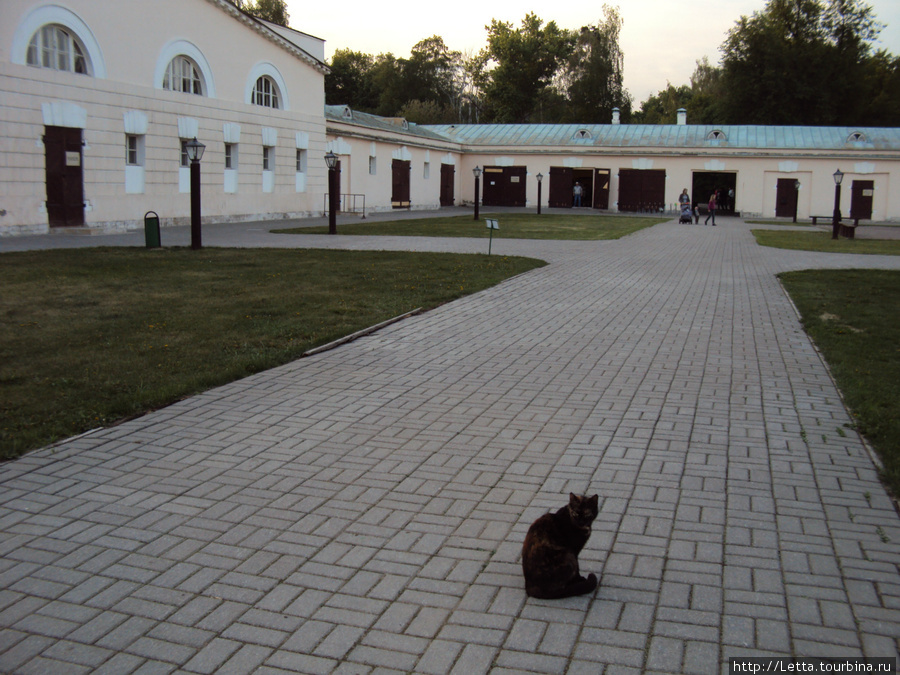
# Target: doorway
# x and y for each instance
(862, 193)
(400, 173)
(448, 173)
(65, 176)
(594, 185)
(704, 183)
(786, 193)
(504, 185)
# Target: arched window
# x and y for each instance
(716, 135)
(582, 135)
(265, 93)
(183, 75)
(857, 137)
(56, 48)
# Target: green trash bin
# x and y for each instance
(151, 229)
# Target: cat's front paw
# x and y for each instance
(592, 580)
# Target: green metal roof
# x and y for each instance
(671, 136)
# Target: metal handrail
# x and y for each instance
(349, 203)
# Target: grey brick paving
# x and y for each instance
(362, 510)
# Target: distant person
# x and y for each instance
(577, 192)
(684, 197)
(712, 209)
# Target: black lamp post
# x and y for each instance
(796, 198)
(836, 218)
(331, 161)
(477, 173)
(539, 177)
(195, 150)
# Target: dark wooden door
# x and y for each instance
(862, 193)
(504, 186)
(448, 171)
(400, 172)
(786, 198)
(601, 189)
(561, 181)
(642, 190)
(65, 177)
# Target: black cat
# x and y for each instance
(551, 548)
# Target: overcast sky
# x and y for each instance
(661, 39)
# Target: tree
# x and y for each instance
(274, 11)
(798, 62)
(593, 77)
(350, 81)
(518, 65)
(662, 108)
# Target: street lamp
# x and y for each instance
(331, 161)
(796, 198)
(477, 173)
(194, 149)
(539, 177)
(836, 218)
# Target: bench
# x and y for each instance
(844, 230)
(828, 218)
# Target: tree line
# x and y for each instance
(796, 62)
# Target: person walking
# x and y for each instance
(712, 209)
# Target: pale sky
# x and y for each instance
(661, 39)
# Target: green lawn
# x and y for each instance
(512, 226)
(799, 240)
(91, 336)
(854, 318)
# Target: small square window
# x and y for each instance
(134, 150)
(231, 156)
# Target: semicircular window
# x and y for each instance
(183, 75)
(265, 93)
(57, 48)
(716, 135)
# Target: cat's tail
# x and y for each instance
(579, 586)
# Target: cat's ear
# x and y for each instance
(574, 499)
(594, 500)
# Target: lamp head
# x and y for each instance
(195, 150)
(838, 177)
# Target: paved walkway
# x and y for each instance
(363, 510)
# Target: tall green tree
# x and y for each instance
(593, 77)
(350, 81)
(798, 62)
(518, 66)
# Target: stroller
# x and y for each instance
(686, 215)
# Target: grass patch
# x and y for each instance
(854, 318)
(822, 241)
(92, 336)
(512, 226)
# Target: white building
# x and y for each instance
(98, 99)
